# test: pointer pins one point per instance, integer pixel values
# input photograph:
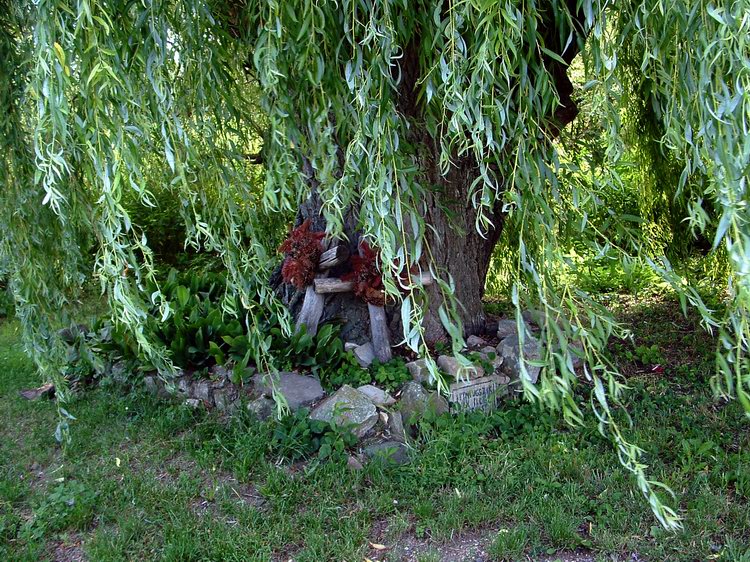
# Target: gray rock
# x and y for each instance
(388, 451)
(156, 386)
(300, 391)
(348, 407)
(419, 371)
(149, 381)
(262, 408)
(533, 316)
(202, 390)
(474, 342)
(365, 354)
(451, 367)
(225, 399)
(184, 385)
(221, 373)
(353, 463)
(416, 401)
(497, 363)
(509, 350)
(506, 328)
(119, 372)
(350, 346)
(193, 403)
(396, 426)
(377, 396)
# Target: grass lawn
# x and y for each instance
(143, 480)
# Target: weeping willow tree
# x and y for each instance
(429, 129)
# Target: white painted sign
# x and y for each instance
(478, 394)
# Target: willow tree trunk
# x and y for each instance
(457, 248)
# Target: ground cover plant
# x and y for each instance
(142, 479)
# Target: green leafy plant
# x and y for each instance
(296, 437)
(348, 372)
(68, 505)
(391, 375)
(646, 354)
(323, 354)
(196, 329)
(482, 361)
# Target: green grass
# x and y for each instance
(148, 481)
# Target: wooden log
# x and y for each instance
(424, 279)
(333, 256)
(312, 310)
(381, 341)
(324, 286)
(379, 331)
(333, 285)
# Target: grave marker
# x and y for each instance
(481, 394)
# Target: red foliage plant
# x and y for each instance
(303, 250)
(368, 284)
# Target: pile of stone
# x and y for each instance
(215, 392)
(383, 423)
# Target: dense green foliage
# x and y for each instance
(115, 105)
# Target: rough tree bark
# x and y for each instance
(457, 247)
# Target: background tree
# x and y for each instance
(427, 127)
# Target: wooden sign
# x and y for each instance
(481, 394)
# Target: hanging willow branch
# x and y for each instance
(106, 98)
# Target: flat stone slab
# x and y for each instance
(481, 394)
(506, 328)
(452, 367)
(44, 391)
(416, 402)
(509, 350)
(348, 407)
(300, 391)
(418, 370)
(377, 396)
(365, 354)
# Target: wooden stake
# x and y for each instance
(381, 342)
(312, 309)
